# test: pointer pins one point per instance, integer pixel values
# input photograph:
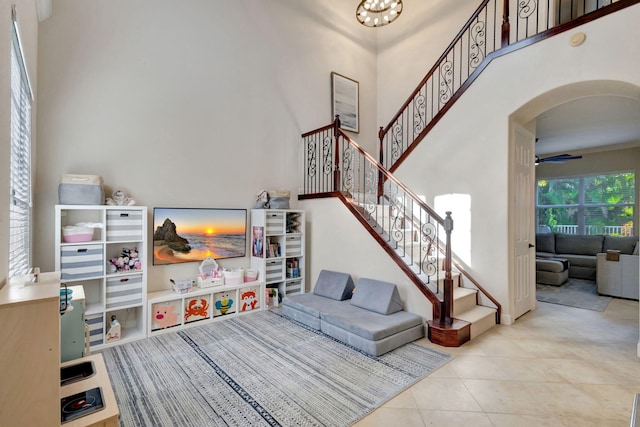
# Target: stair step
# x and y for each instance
(464, 299)
(481, 319)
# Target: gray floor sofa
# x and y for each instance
(581, 250)
(369, 317)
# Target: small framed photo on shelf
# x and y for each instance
(271, 297)
(345, 102)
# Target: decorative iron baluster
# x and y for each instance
(446, 85)
(397, 212)
(419, 108)
(311, 158)
(396, 142)
(476, 50)
(326, 155)
(347, 169)
(526, 8)
(429, 261)
(371, 191)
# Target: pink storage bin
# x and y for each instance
(250, 275)
(233, 277)
(77, 234)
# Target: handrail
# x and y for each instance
(435, 66)
(391, 178)
(469, 53)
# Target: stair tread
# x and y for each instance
(477, 313)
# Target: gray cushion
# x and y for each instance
(334, 285)
(377, 347)
(546, 242)
(619, 243)
(313, 305)
(579, 245)
(580, 260)
(549, 265)
(375, 295)
(370, 325)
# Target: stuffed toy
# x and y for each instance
(120, 198)
(262, 202)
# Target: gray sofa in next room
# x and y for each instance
(368, 317)
(581, 250)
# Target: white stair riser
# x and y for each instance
(482, 325)
(467, 302)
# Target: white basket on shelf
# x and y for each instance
(209, 282)
(233, 277)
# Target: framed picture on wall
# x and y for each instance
(344, 101)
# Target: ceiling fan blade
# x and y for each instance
(559, 158)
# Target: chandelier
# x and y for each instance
(376, 13)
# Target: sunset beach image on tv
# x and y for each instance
(192, 234)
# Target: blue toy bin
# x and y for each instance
(65, 298)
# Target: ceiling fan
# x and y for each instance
(560, 158)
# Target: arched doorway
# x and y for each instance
(521, 215)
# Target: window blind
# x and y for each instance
(20, 161)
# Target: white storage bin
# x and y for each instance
(96, 328)
(124, 225)
(294, 245)
(81, 262)
(293, 287)
(233, 277)
(210, 282)
(250, 275)
(77, 234)
(274, 223)
(273, 270)
(124, 291)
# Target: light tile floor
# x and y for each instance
(556, 366)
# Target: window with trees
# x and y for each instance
(594, 204)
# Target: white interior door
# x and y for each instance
(522, 220)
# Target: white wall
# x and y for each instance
(28, 24)
(192, 104)
(474, 133)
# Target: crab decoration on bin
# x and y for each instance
(127, 261)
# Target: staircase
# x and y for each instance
(414, 235)
(407, 244)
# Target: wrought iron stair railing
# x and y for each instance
(413, 234)
(495, 28)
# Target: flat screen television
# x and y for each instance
(191, 234)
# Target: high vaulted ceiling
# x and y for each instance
(589, 124)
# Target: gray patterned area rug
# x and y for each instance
(577, 293)
(258, 369)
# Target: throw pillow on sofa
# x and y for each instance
(579, 244)
(624, 244)
(546, 242)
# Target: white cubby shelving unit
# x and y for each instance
(107, 293)
(170, 310)
(277, 249)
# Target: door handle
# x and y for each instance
(531, 246)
